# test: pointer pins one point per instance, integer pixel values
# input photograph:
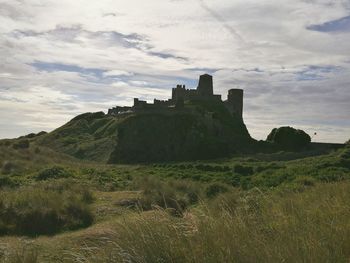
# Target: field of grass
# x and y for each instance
(252, 226)
(280, 207)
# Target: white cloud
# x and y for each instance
(116, 72)
(107, 52)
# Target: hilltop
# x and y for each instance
(85, 191)
(154, 136)
(92, 212)
(193, 124)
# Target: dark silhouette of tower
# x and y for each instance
(205, 85)
(181, 96)
(235, 102)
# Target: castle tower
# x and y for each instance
(205, 85)
(178, 93)
(235, 102)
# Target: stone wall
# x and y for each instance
(180, 95)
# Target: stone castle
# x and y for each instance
(181, 95)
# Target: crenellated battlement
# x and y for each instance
(181, 95)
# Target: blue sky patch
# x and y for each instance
(51, 67)
(316, 72)
(166, 55)
(338, 25)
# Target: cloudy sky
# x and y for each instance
(62, 58)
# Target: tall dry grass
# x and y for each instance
(312, 226)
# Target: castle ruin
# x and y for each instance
(181, 95)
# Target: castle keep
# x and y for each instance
(181, 95)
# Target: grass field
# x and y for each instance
(281, 207)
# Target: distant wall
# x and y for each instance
(180, 95)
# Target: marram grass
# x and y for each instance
(313, 226)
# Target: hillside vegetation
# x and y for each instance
(90, 136)
(202, 131)
(61, 202)
(252, 226)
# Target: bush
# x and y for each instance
(33, 135)
(5, 142)
(42, 211)
(243, 170)
(214, 189)
(30, 135)
(312, 226)
(6, 181)
(106, 179)
(37, 150)
(305, 181)
(41, 133)
(23, 254)
(55, 172)
(90, 116)
(172, 195)
(21, 144)
(332, 175)
(212, 168)
(87, 196)
(8, 167)
(289, 138)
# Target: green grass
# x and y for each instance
(250, 226)
(23, 166)
(255, 227)
(44, 209)
(277, 207)
(90, 136)
(202, 130)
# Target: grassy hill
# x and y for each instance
(201, 131)
(284, 206)
(61, 201)
(90, 136)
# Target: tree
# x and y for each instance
(289, 138)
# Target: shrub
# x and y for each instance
(21, 144)
(6, 181)
(190, 190)
(214, 189)
(8, 167)
(245, 183)
(37, 150)
(5, 142)
(212, 168)
(30, 135)
(346, 153)
(165, 194)
(228, 201)
(243, 170)
(33, 135)
(107, 179)
(38, 210)
(332, 176)
(233, 179)
(55, 172)
(312, 226)
(90, 116)
(24, 254)
(87, 196)
(305, 181)
(289, 138)
(41, 133)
